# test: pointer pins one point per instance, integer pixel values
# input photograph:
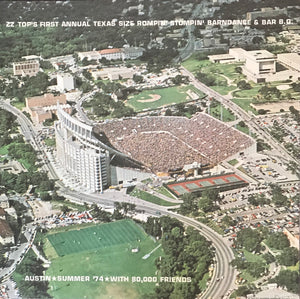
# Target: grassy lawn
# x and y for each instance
(223, 90)
(233, 162)
(4, 150)
(168, 96)
(71, 205)
(248, 93)
(19, 105)
(245, 104)
(294, 268)
(50, 141)
(216, 112)
(192, 64)
(151, 198)
(250, 257)
(243, 129)
(109, 258)
(164, 191)
(25, 163)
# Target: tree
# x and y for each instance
(189, 204)
(249, 239)
(65, 209)
(256, 269)
(289, 279)
(288, 257)
(243, 85)
(278, 198)
(278, 241)
(208, 200)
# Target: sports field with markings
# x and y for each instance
(96, 237)
(103, 250)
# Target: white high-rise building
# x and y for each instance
(80, 153)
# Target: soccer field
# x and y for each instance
(109, 257)
(159, 97)
(96, 237)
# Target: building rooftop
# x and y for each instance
(5, 230)
(261, 54)
(110, 51)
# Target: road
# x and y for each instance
(188, 50)
(217, 288)
(250, 119)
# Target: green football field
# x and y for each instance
(110, 256)
(96, 237)
(167, 96)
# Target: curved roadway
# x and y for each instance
(218, 287)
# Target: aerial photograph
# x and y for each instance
(149, 149)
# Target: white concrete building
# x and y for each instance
(81, 154)
(259, 65)
(65, 82)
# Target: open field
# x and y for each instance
(277, 106)
(96, 237)
(216, 112)
(109, 257)
(155, 98)
(151, 198)
(193, 65)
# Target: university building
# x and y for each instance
(26, 68)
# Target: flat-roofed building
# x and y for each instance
(65, 82)
(266, 12)
(113, 73)
(26, 68)
(290, 60)
(6, 234)
(4, 201)
(89, 55)
(111, 54)
(234, 55)
(43, 107)
(259, 65)
(132, 52)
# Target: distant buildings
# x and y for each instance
(266, 12)
(26, 68)
(260, 65)
(113, 54)
(113, 73)
(43, 107)
(65, 82)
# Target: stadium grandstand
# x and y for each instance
(163, 144)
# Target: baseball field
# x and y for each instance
(159, 97)
(104, 253)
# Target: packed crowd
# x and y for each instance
(164, 143)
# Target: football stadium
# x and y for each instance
(163, 144)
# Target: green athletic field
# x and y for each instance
(168, 96)
(96, 237)
(109, 258)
